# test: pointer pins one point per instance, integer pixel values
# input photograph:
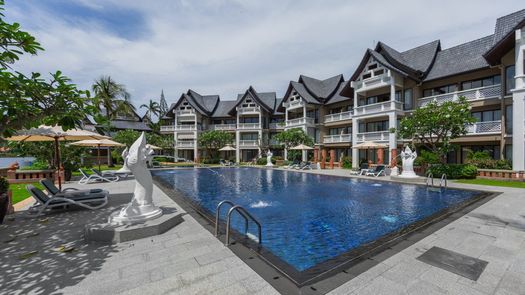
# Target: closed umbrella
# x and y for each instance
(55, 134)
(97, 143)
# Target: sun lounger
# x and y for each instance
(90, 178)
(55, 191)
(380, 169)
(86, 200)
(306, 166)
(225, 163)
(110, 173)
(292, 165)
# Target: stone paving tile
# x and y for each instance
(424, 287)
(381, 285)
(513, 283)
(406, 272)
(350, 286)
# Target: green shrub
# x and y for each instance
(286, 163)
(454, 171)
(503, 165)
(482, 160)
(4, 185)
(347, 162)
(211, 161)
(263, 161)
(37, 165)
(425, 158)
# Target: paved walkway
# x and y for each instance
(185, 260)
(189, 260)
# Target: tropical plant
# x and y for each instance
(4, 185)
(454, 171)
(152, 108)
(28, 101)
(294, 137)
(213, 140)
(435, 125)
(111, 98)
(483, 160)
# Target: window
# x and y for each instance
(379, 72)
(407, 99)
(510, 72)
(398, 96)
(366, 76)
(249, 136)
(508, 152)
(440, 90)
(372, 66)
(493, 80)
(508, 119)
(485, 116)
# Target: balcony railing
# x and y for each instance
(485, 127)
(245, 126)
(294, 104)
(185, 144)
(167, 128)
(487, 92)
(337, 138)
(300, 121)
(372, 82)
(277, 125)
(373, 136)
(248, 110)
(224, 126)
(378, 108)
(247, 143)
(185, 128)
(338, 117)
(185, 112)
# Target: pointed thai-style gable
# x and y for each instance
(314, 91)
(503, 38)
(204, 104)
(264, 100)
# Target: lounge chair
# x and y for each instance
(363, 170)
(380, 169)
(110, 173)
(225, 163)
(55, 191)
(90, 201)
(89, 178)
(292, 165)
(306, 166)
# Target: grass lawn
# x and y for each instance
(19, 191)
(493, 182)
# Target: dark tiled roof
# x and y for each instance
(206, 103)
(460, 59)
(303, 92)
(134, 125)
(414, 62)
(337, 97)
(507, 24)
(264, 99)
(223, 108)
(382, 60)
(322, 90)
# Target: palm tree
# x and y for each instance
(152, 108)
(112, 98)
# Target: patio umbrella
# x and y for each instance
(370, 145)
(55, 134)
(153, 147)
(97, 143)
(227, 148)
(302, 147)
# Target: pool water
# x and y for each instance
(308, 219)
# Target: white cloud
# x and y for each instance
(222, 47)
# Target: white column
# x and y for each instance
(175, 150)
(285, 154)
(518, 107)
(196, 147)
(355, 152)
(260, 141)
(237, 148)
(392, 137)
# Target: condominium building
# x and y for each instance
(387, 85)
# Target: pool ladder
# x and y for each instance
(442, 181)
(242, 212)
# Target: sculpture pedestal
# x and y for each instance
(135, 214)
(269, 164)
(394, 171)
(118, 233)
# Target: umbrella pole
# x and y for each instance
(57, 162)
(98, 156)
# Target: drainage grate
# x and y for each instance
(463, 265)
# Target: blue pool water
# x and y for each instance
(307, 219)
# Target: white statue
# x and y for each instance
(269, 158)
(125, 168)
(408, 156)
(141, 207)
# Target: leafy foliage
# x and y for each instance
(264, 161)
(128, 137)
(28, 101)
(482, 160)
(294, 137)
(435, 125)
(152, 108)
(4, 185)
(111, 98)
(213, 140)
(425, 158)
(454, 171)
(347, 162)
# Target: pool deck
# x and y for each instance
(188, 259)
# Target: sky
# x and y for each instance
(222, 47)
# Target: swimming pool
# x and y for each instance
(309, 219)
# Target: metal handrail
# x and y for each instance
(217, 213)
(246, 215)
(443, 177)
(431, 176)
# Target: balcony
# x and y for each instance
(373, 136)
(277, 125)
(248, 110)
(487, 92)
(185, 112)
(309, 122)
(251, 144)
(185, 128)
(294, 104)
(338, 117)
(487, 127)
(342, 138)
(224, 127)
(374, 82)
(378, 108)
(185, 144)
(167, 128)
(248, 126)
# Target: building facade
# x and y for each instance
(386, 86)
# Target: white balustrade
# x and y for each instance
(167, 128)
(485, 127)
(293, 104)
(247, 143)
(378, 107)
(245, 126)
(185, 144)
(372, 82)
(248, 110)
(277, 125)
(337, 138)
(224, 126)
(373, 136)
(300, 121)
(185, 112)
(487, 92)
(185, 128)
(338, 117)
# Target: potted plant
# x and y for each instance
(4, 198)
